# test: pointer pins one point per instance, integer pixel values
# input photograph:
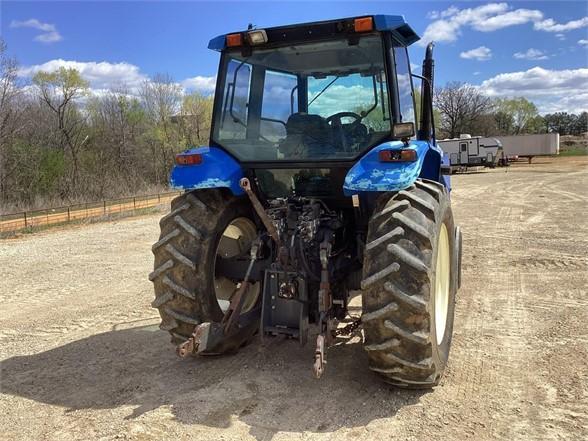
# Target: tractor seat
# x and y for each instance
(355, 134)
(307, 136)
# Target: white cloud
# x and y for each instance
(200, 83)
(550, 25)
(551, 90)
(49, 34)
(510, 18)
(49, 37)
(102, 75)
(481, 53)
(105, 76)
(531, 54)
(477, 73)
(33, 23)
(434, 15)
(583, 42)
(560, 37)
(485, 18)
(490, 17)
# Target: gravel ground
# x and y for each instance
(82, 358)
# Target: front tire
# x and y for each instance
(409, 285)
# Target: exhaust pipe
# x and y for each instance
(427, 125)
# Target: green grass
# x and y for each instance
(574, 152)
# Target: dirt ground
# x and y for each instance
(82, 357)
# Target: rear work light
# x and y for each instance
(365, 24)
(234, 40)
(257, 36)
(188, 159)
(406, 155)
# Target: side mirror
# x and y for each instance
(403, 130)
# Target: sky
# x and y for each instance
(536, 49)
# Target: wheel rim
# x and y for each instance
(235, 240)
(442, 284)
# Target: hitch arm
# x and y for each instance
(234, 309)
(209, 334)
(267, 222)
(325, 304)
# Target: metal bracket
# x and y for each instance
(190, 346)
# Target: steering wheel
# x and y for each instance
(335, 122)
(337, 117)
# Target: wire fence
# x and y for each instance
(58, 215)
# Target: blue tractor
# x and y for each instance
(317, 185)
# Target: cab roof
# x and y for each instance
(395, 24)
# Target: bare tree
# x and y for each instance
(162, 98)
(58, 91)
(461, 105)
(117, 119)
(12, 110)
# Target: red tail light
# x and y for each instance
(406, 155)
(188, 159)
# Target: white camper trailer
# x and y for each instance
(528, 146)
(467, 151)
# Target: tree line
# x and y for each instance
(60, 143)
(463, 108)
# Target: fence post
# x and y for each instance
(68, 218)
(47, 216)
(134, 203)
(104, 207)
(25, 217)
(159, 198)
(86, 210)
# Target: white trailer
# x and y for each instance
(467, 151)
(528, 146)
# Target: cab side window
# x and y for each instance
(235, 101)
(405, 92)
(280, 100)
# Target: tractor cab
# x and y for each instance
(297, 99)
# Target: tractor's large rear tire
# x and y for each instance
(187, 291)
(409, 285)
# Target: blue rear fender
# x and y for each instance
(370, 174)
(218, 169)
